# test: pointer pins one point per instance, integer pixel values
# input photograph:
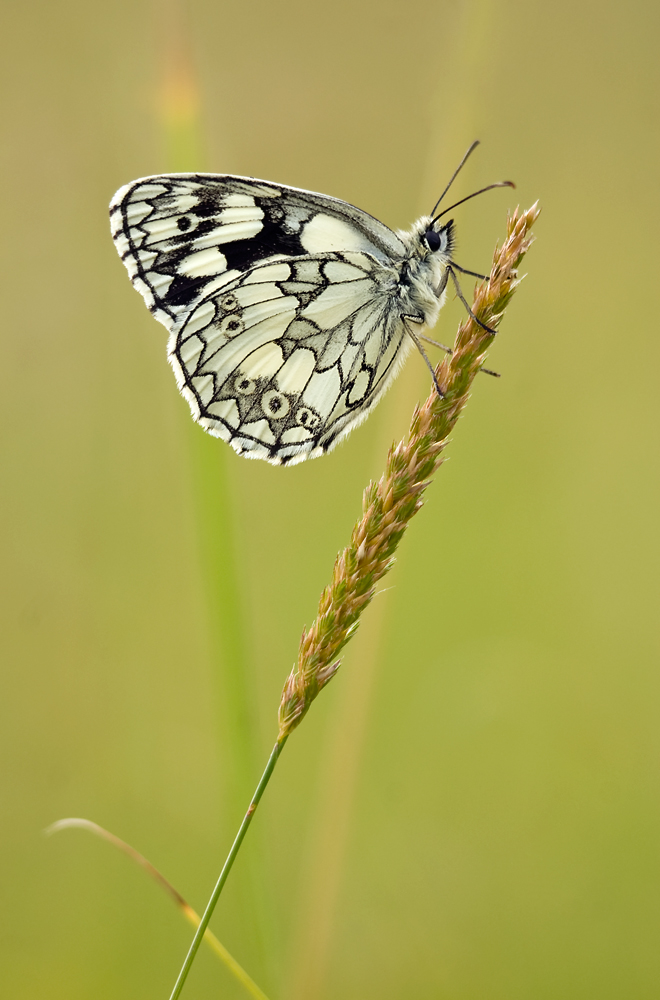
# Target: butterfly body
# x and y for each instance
(289, 312)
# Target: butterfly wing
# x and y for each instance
(285, 359)
(183, 236)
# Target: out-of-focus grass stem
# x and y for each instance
(178, 106)
(191, 916)
(178, 103)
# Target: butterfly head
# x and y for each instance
(429, 243)
(438, 239)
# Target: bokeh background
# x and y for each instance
(471, 810)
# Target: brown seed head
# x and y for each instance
(389, 504)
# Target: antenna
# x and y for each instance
(455, 174)
(499, 184)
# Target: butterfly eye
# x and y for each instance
(275, 405)
(433, 240)
(229, 302)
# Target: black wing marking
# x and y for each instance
(184, 236)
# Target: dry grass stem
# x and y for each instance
(187, 910)
(389, 504)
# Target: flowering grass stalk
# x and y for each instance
(389, 504)
(388, 507)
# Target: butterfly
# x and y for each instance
(289, 312)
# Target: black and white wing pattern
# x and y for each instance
(290, 354)
(287, 310)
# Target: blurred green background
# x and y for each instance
(471, 810)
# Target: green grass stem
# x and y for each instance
(226, 868)
(181, 131)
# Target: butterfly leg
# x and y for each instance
(474, 274)
(449, 350)
(436, 343)
(476, 319)
(418, 344)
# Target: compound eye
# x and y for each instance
(432, 240)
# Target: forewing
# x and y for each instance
(287, 358)
(185, 236)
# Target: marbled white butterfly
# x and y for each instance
(289, 312)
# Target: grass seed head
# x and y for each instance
(389, 505)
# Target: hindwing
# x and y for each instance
(283, 360)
